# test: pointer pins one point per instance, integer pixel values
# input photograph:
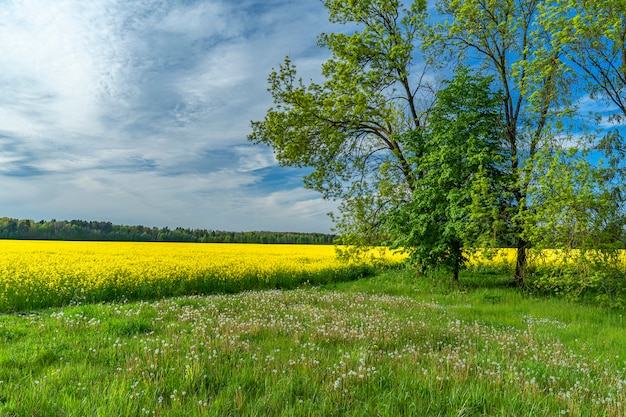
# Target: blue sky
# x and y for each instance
(137, 111)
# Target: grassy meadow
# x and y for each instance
(387, 344)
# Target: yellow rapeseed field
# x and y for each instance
(36, 274)
(41, 273)
(547, 258)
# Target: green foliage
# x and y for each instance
(574, 207)
(462, 138)
(510, 42)
(596, 277)
(346, 128)
(479, 169)
(579, 222)
(595, 47)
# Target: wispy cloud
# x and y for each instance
(138, 111)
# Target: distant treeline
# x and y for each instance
(96, 230)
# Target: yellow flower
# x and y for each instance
(40, 273)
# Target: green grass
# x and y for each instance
(388, 345)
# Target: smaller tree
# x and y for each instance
(458, 152)
(575, 204)
(579, 219)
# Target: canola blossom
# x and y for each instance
(35, 274)
(545, 258)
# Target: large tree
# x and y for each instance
(374, 142)
(347, 127)
(508, 39)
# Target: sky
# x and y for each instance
(137, 112)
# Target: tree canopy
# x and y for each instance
(459, 148)
(347, 127)
(439, 167)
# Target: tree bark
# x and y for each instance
(455, 272)
(458, 253)
(520, 264)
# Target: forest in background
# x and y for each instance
(100, 230)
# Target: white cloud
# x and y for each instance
(138, 112)
(56, 59)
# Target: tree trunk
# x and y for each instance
(455, 272)
(520, 264)
(458, 253)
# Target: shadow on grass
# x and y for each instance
(485, 278)
(484, 282)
